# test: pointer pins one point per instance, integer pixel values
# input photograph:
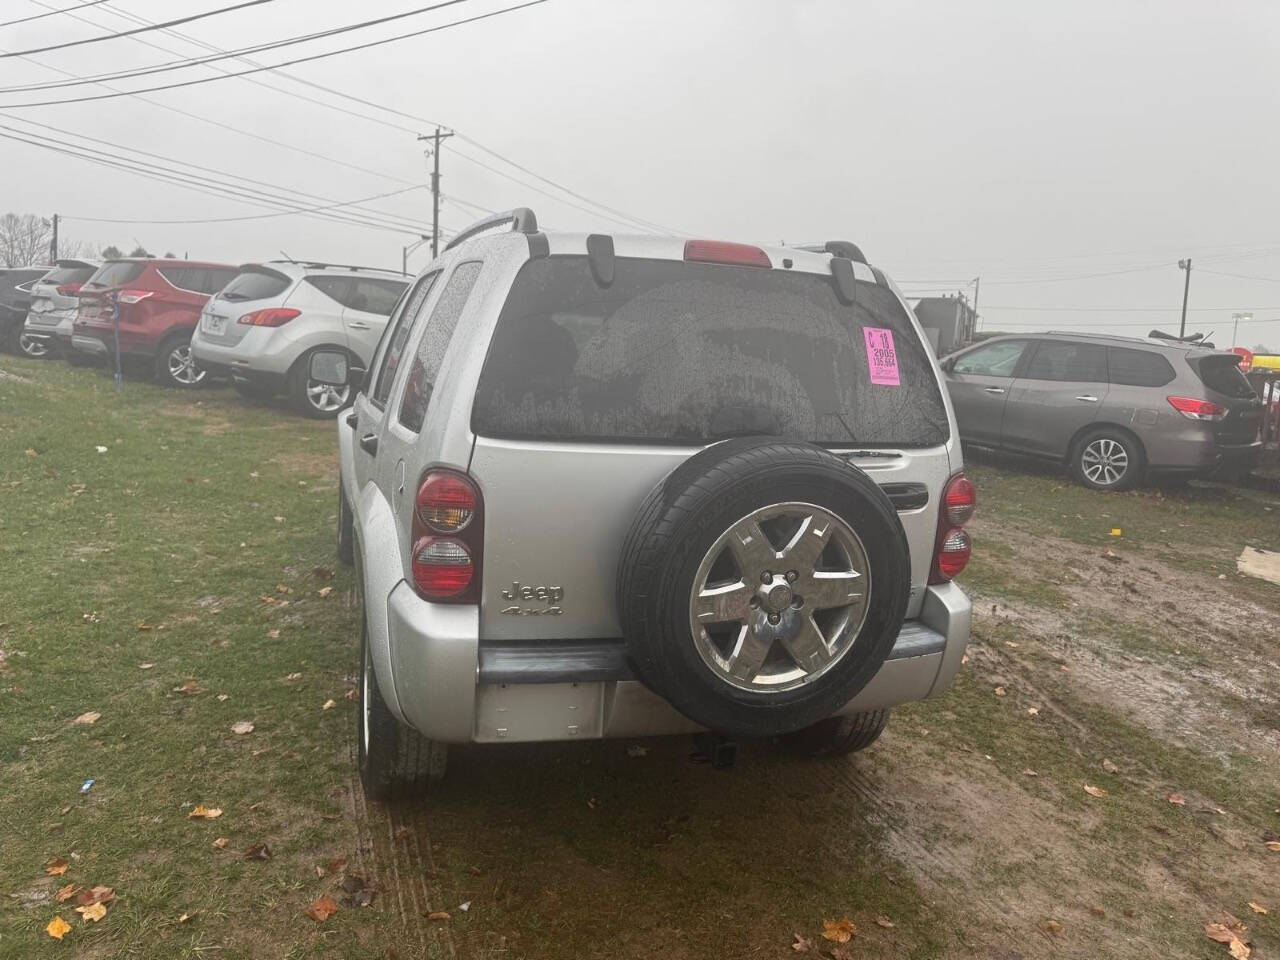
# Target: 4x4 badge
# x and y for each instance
(550, 595)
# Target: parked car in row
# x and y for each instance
(262, 328)
(1112, 409)
(54, 299)
(15, 299)
(159, 302)
(617, 486)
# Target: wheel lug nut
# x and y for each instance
(774, 618)
(755, 601)
(792, 576)
(798, 602)
(766, 577)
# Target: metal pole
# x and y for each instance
(977, 286)
(404, 261)
(53, 245)
(1186, 289)
(115, 323)
(435, 197)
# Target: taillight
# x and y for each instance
(69, 289)
(719, 251)
(1194, 409)
(959, 501)
(270, 317)
(448, 538)
(133, 296)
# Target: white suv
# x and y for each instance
(602, 486)
(262, 328)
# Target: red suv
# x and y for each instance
(159, 303)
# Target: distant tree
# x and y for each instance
(139, 252)
(24, 239)
(111, 253)
(75, 249)
(171, 256)
(1265, 351)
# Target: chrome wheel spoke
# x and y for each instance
(724, 603)
(822, 591)
(750, 650)
(751, 549)
(808, 543)
(807, 646)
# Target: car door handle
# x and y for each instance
(353, 419)
(994, 389)
(1087, 398)
(369, 444)
(358, 325)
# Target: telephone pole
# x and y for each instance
(1186, 289)
(435, 139)
(53, 244)
(977, 287)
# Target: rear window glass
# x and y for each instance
(69, 275)
(1138, 368)
(255, 284)
(116, 274)
(1222, 375)
(676, 352)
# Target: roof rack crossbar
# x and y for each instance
(522, 220)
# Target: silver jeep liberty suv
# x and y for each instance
(619, 486)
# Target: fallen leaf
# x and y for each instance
(322, 909)
(885, 922)
(184, 918)
(964, 658)
(1110, 767)
(189, 687)
(86, 719)
(95, 895)
(329, 705)
(1033, 711)
(1110, 555)
(220, 842)
(1257, 907)
(69, 891)
(1176, 799)
(1239, 949)
(840, 953)
(1273, 845)
(1029, 773)
(1000, 691)
(201, 812)
(145, 666)
(259, 851)
(56, 868)
(278, 519)
(92, 913)
(838, 931)
(1053, 927)
(1094, 791)
(241, 728)
(324, 591)
(281, 588)
(274, 633)
(293, 676)
(57, 928)
(352, 694)
(1098, 912)
(31, 452)
(802, 944)
(438, 915)
(1219, 932)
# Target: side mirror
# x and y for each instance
(949, 364)
(330, 368)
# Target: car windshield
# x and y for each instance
(680, 352)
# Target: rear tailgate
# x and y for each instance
(1220, 373)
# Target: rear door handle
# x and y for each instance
(358, 325)
(369, 444)
(353, 419)
(994, 389)
(1087, 398)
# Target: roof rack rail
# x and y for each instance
(837, 248)
(522, 220)
(321, 263)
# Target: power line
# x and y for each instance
(256, 216)
(187, 62)
(129, 33)
(287, 63)
(1173, 309)
(41, 16)
(1239, 276)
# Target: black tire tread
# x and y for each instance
(838, 736)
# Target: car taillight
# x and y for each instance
(1194, 409)
(959, 501)
(448, 538)
(719, 251)
(133, 296)
(69, 289)
(270, 317)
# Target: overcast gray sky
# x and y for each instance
(1021, 142)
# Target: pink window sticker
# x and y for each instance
(882, 359)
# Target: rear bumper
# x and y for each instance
(89, 345)
(49, 326)
(262, 353)
(452, 688)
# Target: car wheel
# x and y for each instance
(837, 736)
(346, 529)
(394, 760)
(1106, 459)
(312, 398)
(176, 367)
(251, 390)
(762, 585)
(33, 347)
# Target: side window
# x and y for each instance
(335, 288)
(994, 360)
(376, 296)
(435, 340)
(1065, 361)
(180, 277)
(1138, 368)
(397, 334)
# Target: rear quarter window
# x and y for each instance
(1138, 368)
(689, 353)
(436, 335)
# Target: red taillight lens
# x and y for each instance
(442, 567)
(959, 501)
(270, 317)
(69, 289)
(1194, 409)
(718, 251)
(133, 296)
(446, 569)
(446, 502)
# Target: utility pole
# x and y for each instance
(435, 139)
(53, 244)
(1186, 289)
(1235, 325)
(977, 286)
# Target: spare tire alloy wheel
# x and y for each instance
(762, 585)
(758, 627)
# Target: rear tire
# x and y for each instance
(1107, 459)
(346, 529)
(838, 736)
(395, 761)
(312, 399)
(176, 367)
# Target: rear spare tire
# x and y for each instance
(762, 584)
